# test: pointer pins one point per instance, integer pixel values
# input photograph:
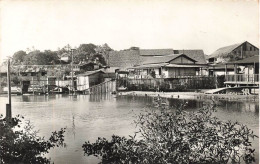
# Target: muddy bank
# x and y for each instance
(192, 95)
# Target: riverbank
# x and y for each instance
(192, 95)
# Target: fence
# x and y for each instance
(105, 87)
(171, 84)
(243, 78)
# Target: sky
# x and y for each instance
(148, 24)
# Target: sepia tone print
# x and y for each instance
(86, 81)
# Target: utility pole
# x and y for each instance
(72, 81)
(8, 106)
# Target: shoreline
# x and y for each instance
(191, 95)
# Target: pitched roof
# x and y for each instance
(155, 52)
(250, 60)
(224, 50)
(197, 55)
(164, 59)
(123, 58)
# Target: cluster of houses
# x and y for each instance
(239, 63)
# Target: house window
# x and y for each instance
(251, 49)
(235, 52)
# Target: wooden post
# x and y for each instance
(235, 71)
(225, 69)
(47, 84)
(254, 74)
(9, 105)
(247, 75)
(33, 85)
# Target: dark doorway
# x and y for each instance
(25, 86)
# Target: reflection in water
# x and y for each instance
(88, 117)
(73, 126)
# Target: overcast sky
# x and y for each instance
(200, 24)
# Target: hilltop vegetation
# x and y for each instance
(85, 52)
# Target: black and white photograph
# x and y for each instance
(129, 81)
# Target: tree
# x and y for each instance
(99, 59)
(51, 57)
(84, 52)
(19, 56)
(35, 58)
(41, 58)
(21, 144)
(178, 137)
(103, 51)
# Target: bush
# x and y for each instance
(23, 145)
(178, 137)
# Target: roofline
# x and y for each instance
(173, 59)
(233, 48)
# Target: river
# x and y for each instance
(88, 117)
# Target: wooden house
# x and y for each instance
(170, 66)
(233, 53)
(246, 72)
(89, 79)
(135, 56)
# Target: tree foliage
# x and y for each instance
(84, 53)
(19, 56)
(21, 144)
(41, 58)
(178, 137)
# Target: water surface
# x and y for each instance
(88, 117)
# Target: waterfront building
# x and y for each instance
(135, 56)
(233, 53)
(89, 79)
(246, 72)
(170, 66)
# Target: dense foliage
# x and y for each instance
(21, 144)
(85, 52)
(178, 137)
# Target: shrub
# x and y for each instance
(178, 137)
(23, 145)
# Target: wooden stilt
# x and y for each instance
(9, 105)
